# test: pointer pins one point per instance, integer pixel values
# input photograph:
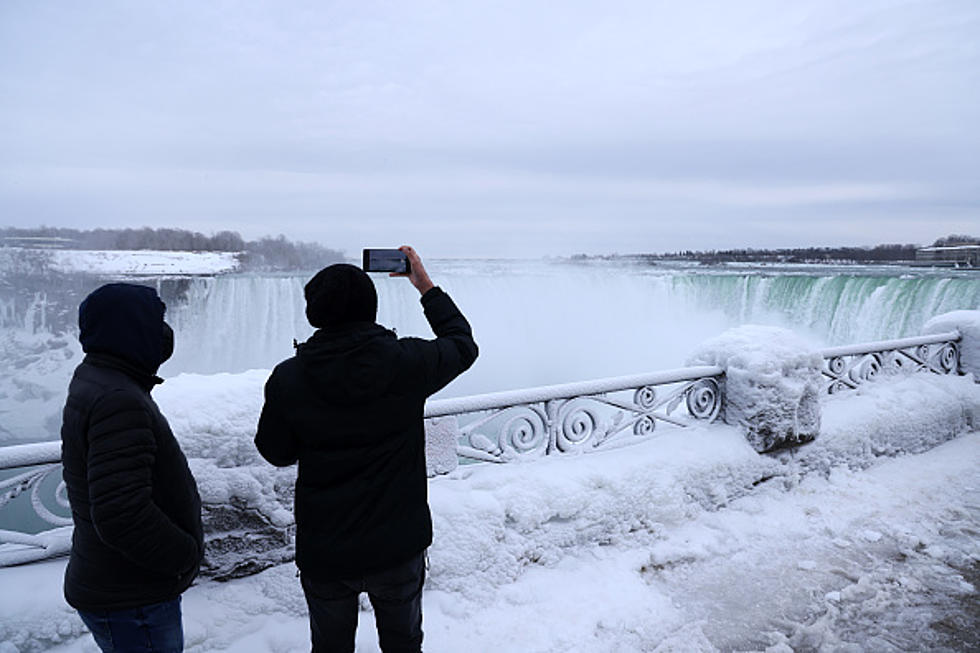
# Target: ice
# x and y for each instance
(968, 324)
(772, 383)
(725, 578)
(142, 262)
(441, 438)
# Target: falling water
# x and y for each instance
(536, 322)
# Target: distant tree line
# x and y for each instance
(268, 253)
(889, 253)
(877, 254)
(956, 239)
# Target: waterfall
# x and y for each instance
(835, 309)
(536, 322)
(540, 323)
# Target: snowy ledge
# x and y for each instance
(142, 262)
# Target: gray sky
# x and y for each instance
(505, 128)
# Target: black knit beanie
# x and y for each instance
(339, 294)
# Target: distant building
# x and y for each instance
(954, 256)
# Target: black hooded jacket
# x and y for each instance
(138, 538)
(349, 408)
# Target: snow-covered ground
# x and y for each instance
(866, 540)
(142, 262)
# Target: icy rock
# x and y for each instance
(441, 436)
(240, 541)
(247, 526)
(968, 324)
(771, 386)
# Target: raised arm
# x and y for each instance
(453, 350)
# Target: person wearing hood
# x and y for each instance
(138, 540)
(348, 407)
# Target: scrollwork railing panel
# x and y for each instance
(581, 417)
(846, 368)
(39, 493)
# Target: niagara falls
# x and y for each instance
(490, 327)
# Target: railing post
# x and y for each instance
(968, 324)
(771, 385)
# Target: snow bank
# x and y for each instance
(850, 561)
(34, 615)
(772, 383)
(142, 262)
(968, 324)
(491, 522)
(892, 417)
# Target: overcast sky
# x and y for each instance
(504, 128)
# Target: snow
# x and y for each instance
(23, 455)
(772, 383)
(758, 349)
(32, 394)
(968, 324)
(490, 400)
(691, 541)
(441, 437)
(142, 262)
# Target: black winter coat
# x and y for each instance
(138, 538)
(348, 407)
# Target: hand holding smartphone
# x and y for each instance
(401, 262)
(385, 260)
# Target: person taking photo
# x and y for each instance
(348, 407)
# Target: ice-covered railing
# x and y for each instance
(845, 368)
(576, 416)
(42, 482)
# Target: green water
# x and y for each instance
(838, 309)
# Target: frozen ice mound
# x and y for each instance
(968, 324)
(771, 384)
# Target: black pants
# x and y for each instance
(395, 593)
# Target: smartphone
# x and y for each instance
(385, 260)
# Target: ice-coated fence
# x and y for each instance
(579, 416)
(542, 421)
(845, 368)
(39, 470)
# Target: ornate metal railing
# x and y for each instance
(845, 368)
(575, 417)
(41, 462)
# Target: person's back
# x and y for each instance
(348, 407)
(137, 542)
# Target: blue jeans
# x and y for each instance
(155, 628)
(396, 595)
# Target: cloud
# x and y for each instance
(514, 112)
